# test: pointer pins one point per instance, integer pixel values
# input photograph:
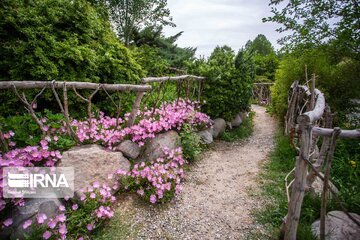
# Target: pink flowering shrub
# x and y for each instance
(74, 220)
(159, 180)
(169, 116)
(29, 156)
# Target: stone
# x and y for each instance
(129, 149)
(219, 127)
(338, 226)
(153, 147)
(236, 121)
(206, 136)
(318, 184)
(243, 115)
(33, 206)
(93, 163)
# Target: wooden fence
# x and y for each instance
(262, 93)
(307, 120)
(140, 91)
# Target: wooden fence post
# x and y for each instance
(299, 185)
(135, 108)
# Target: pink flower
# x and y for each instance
(152, 199)
(90, 227)
(96, 184)
(140, 192)
(62, 229)
(47, 235)
(8, 222)
(75, 207)
(41, 217)
(62, 208)
(52, 223)
(27, 223)
(92, 195)
(61, 217)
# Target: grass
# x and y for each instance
(119, 227)
(242, 132)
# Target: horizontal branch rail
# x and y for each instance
(175, 78)
(77, 85)
(263, 83)
(327, 132)
(316, 113)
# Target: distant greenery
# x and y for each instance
(242, 132)
(337, 75)
(228, 84)
(264, 57)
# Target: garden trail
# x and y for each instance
(219, 193)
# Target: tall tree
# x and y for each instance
(316, 22)
(128, 15)
(260, 45)
(167, 48)
(264, 58)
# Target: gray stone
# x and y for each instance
(129, 149)
(243, 115)
(93, 163)
(338, 226)
(153, 147)
(33, 206)
(206, 136)
(236, 121)
(318, 184)
(219, 127)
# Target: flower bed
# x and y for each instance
(156, 181)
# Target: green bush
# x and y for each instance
(60, 40)
(228, 84)
(191, 143)
(337, 77)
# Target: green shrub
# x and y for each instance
(335, 76)
(191, 143)
(228, 84)
(53, 40)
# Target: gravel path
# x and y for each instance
(217, 198)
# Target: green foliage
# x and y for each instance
(165, 47)
(264, 57)
(345, 173)
(228, 84)
(50, 39)
(336, 76)
(242, 132)
(191, 143)
(130, 15)
(314, 22)
(151, 61)
(27, 132)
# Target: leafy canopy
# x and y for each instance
(315, 22)
(264, 57)
(130, 15)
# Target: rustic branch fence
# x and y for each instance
(262, 93)
(182, 82)
(305, 128)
